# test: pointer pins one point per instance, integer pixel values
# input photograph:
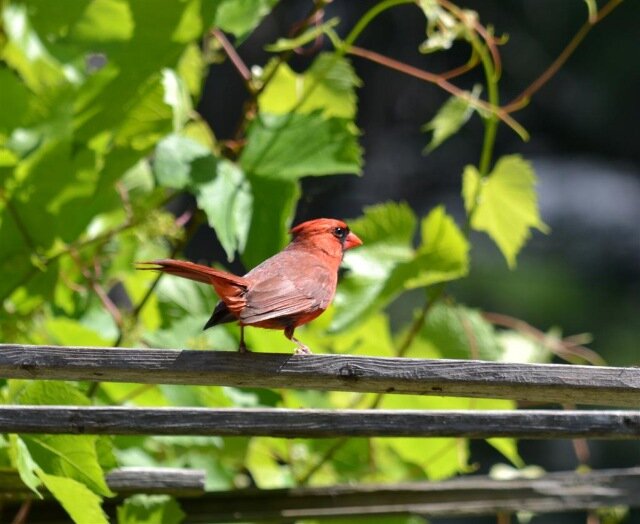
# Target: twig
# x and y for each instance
(561, 348)
(23, 512)
(326, 457)
(441, 82)
(522, 99)
(233, 55)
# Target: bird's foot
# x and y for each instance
(302, 350)
(242, 348)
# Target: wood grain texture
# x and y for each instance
(586, 385)
(125, 481)
(315, 423)
(465, 496)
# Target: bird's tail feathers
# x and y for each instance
(230, 288)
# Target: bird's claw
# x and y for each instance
(302, 350)
(242, 348)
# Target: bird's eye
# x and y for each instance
(340, 232)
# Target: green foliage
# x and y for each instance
(504, 204)
(454, 114)
(150, 509)
(99, 132)
(387, 263)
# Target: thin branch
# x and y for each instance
(523, 98)
(326, 457)
(233, 55)
(441, 82)
(561, 348)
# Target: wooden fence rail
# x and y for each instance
(466, 496)
(178, 482)
(317, 423)
(585, 385)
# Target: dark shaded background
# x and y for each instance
(585, 276)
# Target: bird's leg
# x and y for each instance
(301, 349)
(242, 348)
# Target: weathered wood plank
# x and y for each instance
(126, 481)
(466, 496)
(462, 378)
(316, 423)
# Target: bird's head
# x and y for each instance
(326, 233)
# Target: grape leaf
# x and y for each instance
(291, 146)
(82, 505)
(387, 263)
(328, 85)
(504, 204)
(449, 119)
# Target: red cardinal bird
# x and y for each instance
(285, 291)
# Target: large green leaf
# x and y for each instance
(82, 505)
(387, 263)
(461, 333)
(273, 209)
(291, 146)
(150, 509)
(504, 204)
(25, 464)
(328, 85)
(73, 456)
(220, 187)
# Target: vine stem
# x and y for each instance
(523, 98)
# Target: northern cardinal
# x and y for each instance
(285, 291)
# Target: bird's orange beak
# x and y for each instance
(352, 240)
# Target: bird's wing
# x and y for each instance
(289, 295)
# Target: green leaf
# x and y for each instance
(82, 505)
(240, 17)
(177, 158)
(25, 464)
(69, 332)
(504, 204)
(291, 146)
(227, 200)
(328, 85)
(270, 219)
(461, 333)
(508, 447)
(73, 456)
(311, 33)
(386, 265)
(450, 118)
(150, 509)
(220, 187)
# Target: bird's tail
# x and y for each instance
(230, 288)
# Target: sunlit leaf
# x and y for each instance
(387, 263)
(504, 204)
(328, 85)
(508, 447)
(240, 17)
(73, 456)
(82, 505)
(449, 119)
(292, 146)
(25, 464)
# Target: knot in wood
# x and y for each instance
(349, 372)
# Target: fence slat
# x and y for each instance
(125, 481)
(293, 423)
(606, 386)
(467, 496)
